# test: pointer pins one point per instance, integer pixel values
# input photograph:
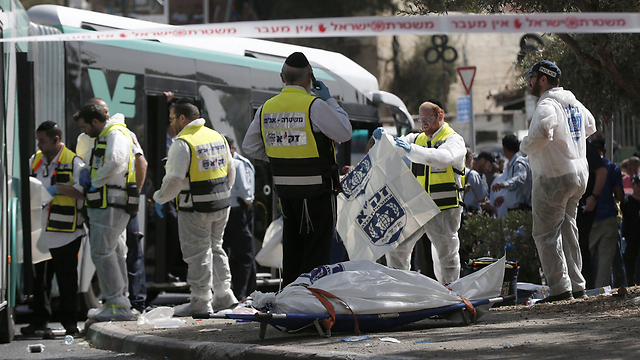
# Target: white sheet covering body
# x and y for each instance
(382, 203)
(371, 288)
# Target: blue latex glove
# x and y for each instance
(85, 179)
(93, 188)
(403, 144)
(52, 190)
(159, 210)
(323, 92)
(377, 133)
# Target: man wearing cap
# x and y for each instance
(556, 145)
(295, 132)
(437, 161)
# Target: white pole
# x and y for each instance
(206, 11)
(473, 122)
(166, 11)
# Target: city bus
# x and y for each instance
(228, 78)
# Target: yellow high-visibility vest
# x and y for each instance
(98, 198)
(63, 213)
(302, 161)
(441, 184)
(209, 189)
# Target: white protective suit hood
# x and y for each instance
(556, 142)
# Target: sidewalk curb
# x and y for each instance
(107, 336)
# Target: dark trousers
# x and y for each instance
(135, 265)
(64, 264)
(307, 233)
(632, 260)
(584, 220)
(238, 244)
(173, 259)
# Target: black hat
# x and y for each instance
(598, 143)
(297, 60)
(546, 67)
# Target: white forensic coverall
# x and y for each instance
(200, 233)
(556, 145)
(443, 228)
(107, 226)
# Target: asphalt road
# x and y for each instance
(80, 349)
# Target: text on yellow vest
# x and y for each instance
(209, 189)
(302, 161)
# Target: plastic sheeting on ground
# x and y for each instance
(382, 203)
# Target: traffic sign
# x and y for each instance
(467, 74)
(464, 109)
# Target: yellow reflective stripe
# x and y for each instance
(297, 180)
(211, 197)
(93, 196)
(62, 218)
(443, 194)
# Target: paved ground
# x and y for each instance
(596, 328)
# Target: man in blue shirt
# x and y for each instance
(478, 193)
(604, 233)
(238, 237)
(518, 177)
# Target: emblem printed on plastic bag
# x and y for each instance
(353, 184)
(322, 271)
(382, 217)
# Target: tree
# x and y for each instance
(602, 69)
(415, 81)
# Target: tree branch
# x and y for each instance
(583, 57)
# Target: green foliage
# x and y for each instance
(598, 91)
(416, 81)
(295, 9)
(603, 70)
(481, 235)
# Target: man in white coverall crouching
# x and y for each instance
(556, 145)
(437, 161)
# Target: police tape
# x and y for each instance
(373, 26)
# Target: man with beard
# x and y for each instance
(556, 145)
(295, 132)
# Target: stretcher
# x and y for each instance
(365, 322)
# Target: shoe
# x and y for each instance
(564, 296)
(72, 331)
(48, 334)
(112, 313)
(195, 306)
(224, 302)
(579, 295)
(31, 329)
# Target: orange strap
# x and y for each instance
(323, 297)
(467, 303)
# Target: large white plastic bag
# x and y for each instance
(371, 288)
(271, 253)
(39, 197)
(382, 203)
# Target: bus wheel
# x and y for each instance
(7, 325)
